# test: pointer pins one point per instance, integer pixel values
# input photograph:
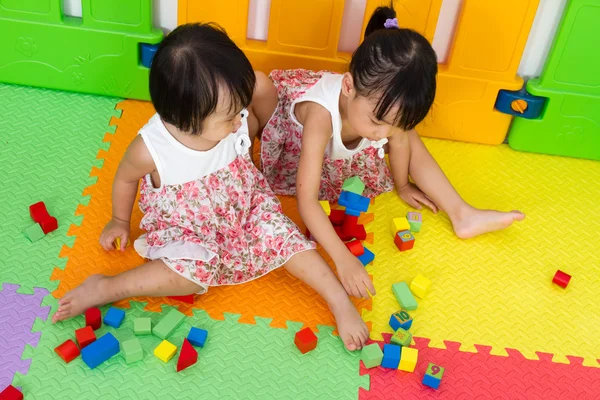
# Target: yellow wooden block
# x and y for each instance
(326, 207)
(165, 350)
(399, 224)
(118, 243)
(419, 286)
(408, 359)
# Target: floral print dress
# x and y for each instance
(281, 140)
(214, 220)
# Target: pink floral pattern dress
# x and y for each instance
(214, 220)
(281, 141)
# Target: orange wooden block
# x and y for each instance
(365, 218)
(370, 238)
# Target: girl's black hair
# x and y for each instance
(397, 65)
(192, 66)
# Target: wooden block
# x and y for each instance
(401, 337)
(562, 279)
(305, 340)
(370, 238)
(326, 207)
(404, 240)
(404, 296)
(415, 219)
(165, 351)
(371, 355)
(391, 356)
(354, 185)
(355, 247)
(68, 351)
(337, 217)
(168, 324)
(419, 286)
(34, 232)
(93, 318)
(401, 319)
(408, 359)
(433, 376)
(133, 350)
(85, 336)
(399, 224)
(142, 326)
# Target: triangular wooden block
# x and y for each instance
(188, 356)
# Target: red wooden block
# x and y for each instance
(93, 318)
(561, 279)
(68, 351)
(38, 212)
(356, 247)
(11, 393)
(85, 336)
(188, 356)
(305, 340)
(49, 224)
(185, 299)
(341, 234)
(337, 217)
(404, 240)
(350, 221)
(356, 232)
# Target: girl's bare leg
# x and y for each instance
(467, 220)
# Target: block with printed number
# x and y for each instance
(371, 355)
(415, 220)
(408, 360)
(404, 240)
(401, 337)
(401, 319)
(419, 286)
(433, 376)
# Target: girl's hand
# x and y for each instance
(115, 228)
(412, 195)
(354, 277)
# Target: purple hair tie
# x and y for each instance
(391, 23)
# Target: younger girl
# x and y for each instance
(210, 217)
(328, 127)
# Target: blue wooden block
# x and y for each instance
(367, 257)
(114, 317)
(197, 336)
(354, 202)
(352, 212)
(401, 319)
(391, 356)
(100, 350)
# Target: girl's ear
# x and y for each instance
(348, 85)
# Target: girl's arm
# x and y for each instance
(136, 163)
(399, 154)
(317, 131)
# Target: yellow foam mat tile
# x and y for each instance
(496, 289)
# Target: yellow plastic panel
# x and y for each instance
(308, 27)
(230, 14)
(419, 15)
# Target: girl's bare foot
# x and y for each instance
(475, 222)
(90, 293)
(352, 328)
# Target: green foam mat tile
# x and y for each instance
(48, 144)
(249, 361)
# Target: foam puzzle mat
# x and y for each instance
(492, 317)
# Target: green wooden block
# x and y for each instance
(415, 219)
(142, 326)
(401, 337)
(435, 371)
(404, 296)
(371, 355)
(168, 324)
(34, 232)
(353, 185)
(133, 350)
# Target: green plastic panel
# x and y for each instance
(570, 122)
(98, 53)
